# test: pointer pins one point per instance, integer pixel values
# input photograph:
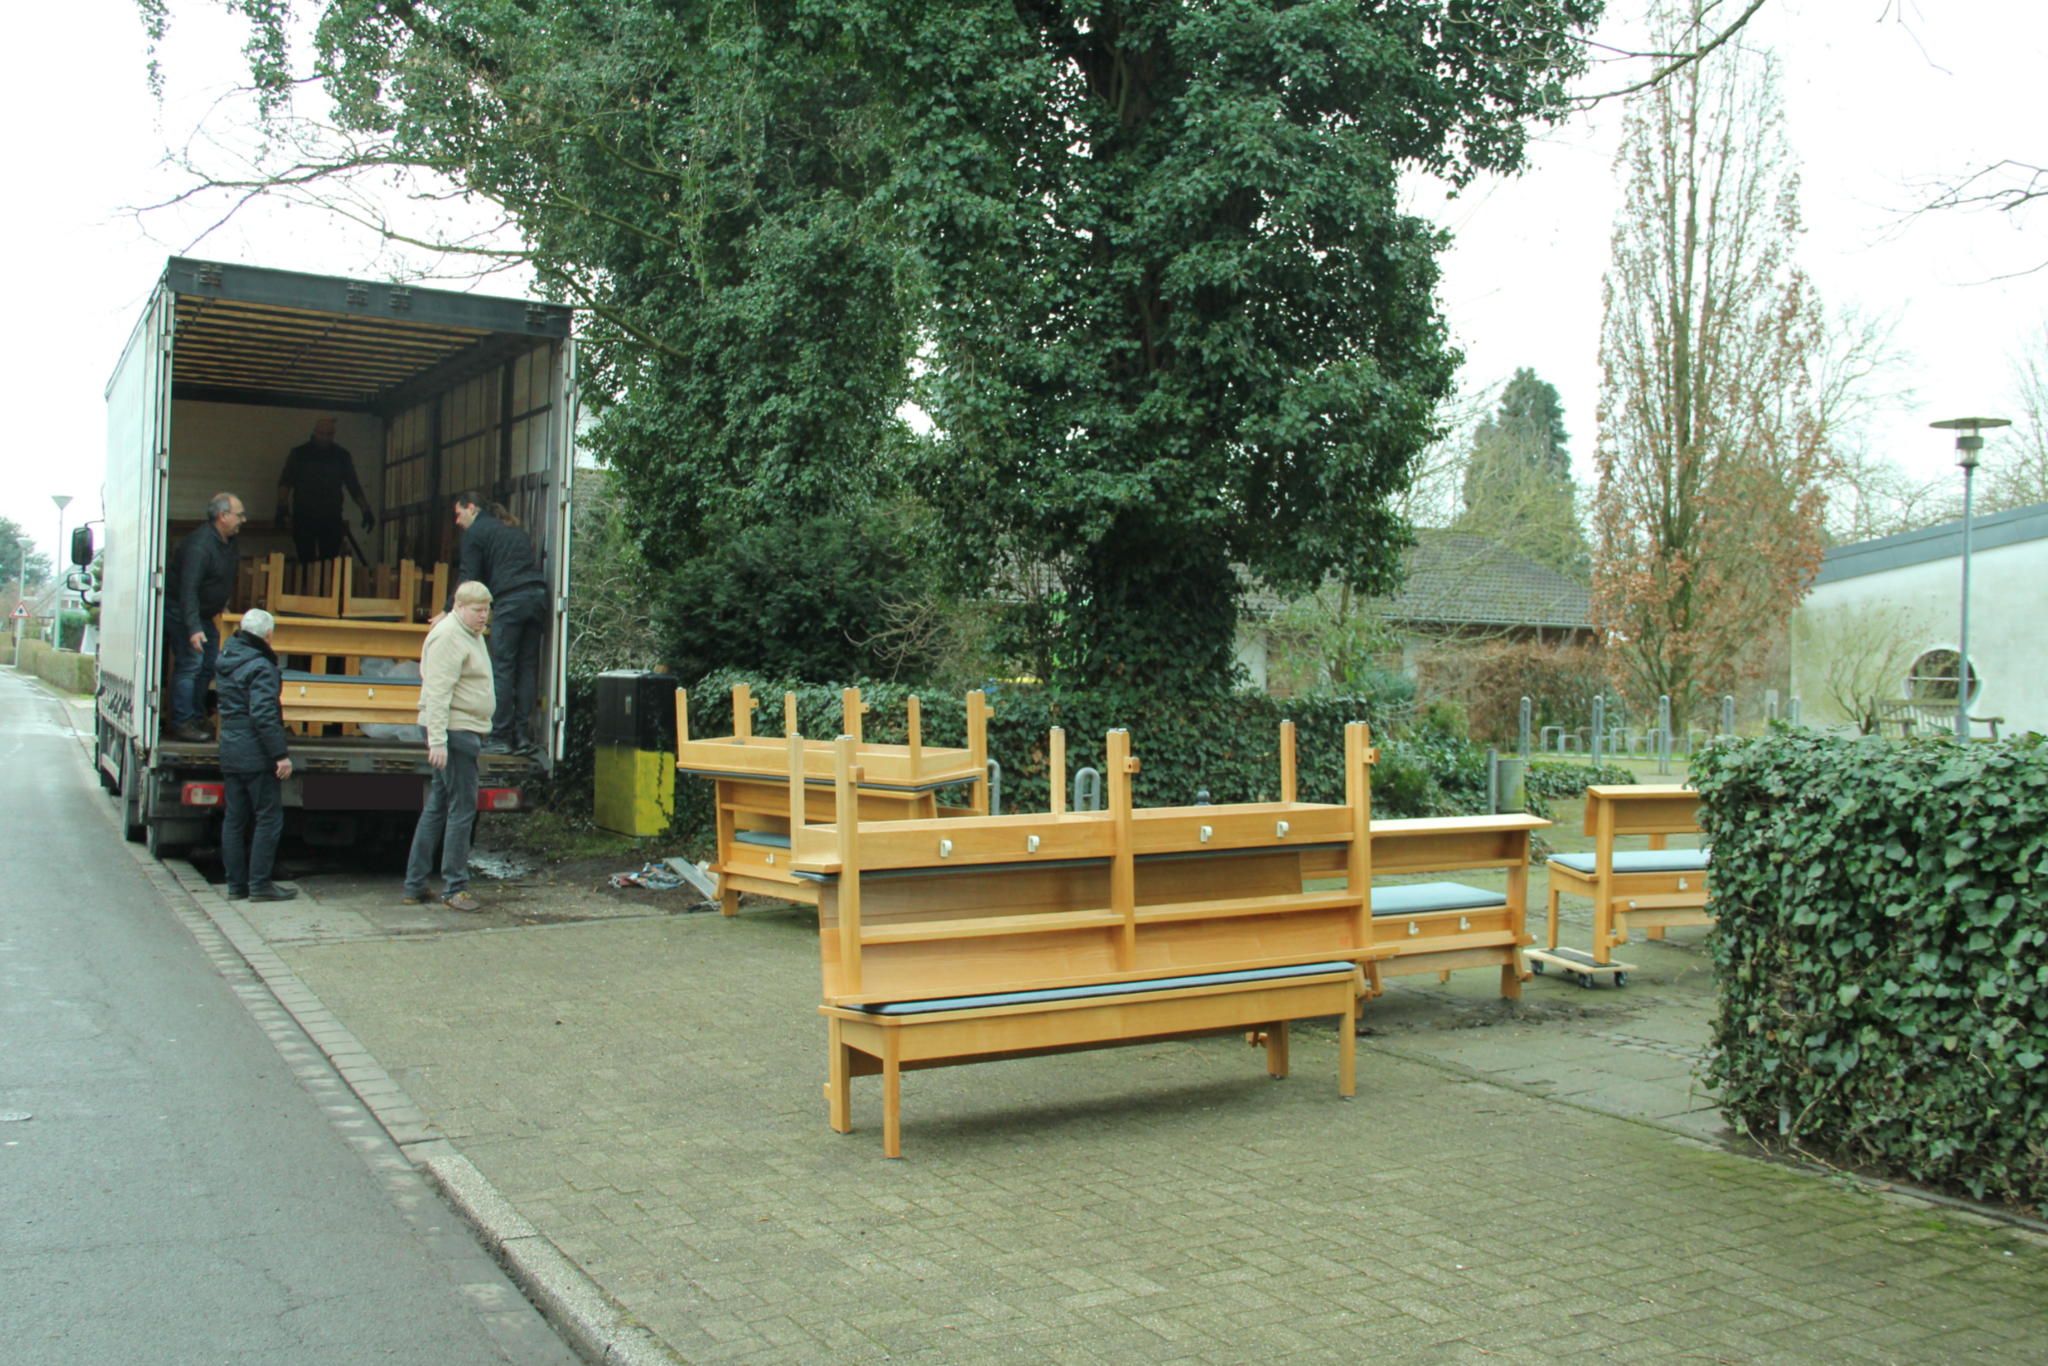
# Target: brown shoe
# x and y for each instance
(422, 899)
(462, 901)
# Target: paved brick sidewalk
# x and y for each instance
(647, 1092)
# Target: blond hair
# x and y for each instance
(472, 593)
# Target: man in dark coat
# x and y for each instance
(254, 760)
(309, 495)
(196, 588)
(500, 557)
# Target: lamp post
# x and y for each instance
(59, 560)
(1968, 443)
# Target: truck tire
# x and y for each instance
(133, 826)
(163, 846)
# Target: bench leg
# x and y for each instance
(1552, 944)
(1276, 1049)
(892, 1097)
(1511, 978)
(1347, 1051)
(839, 1090)
(728, 901)
(1655, 932)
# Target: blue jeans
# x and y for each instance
(255, 804)
(446, 820)
(193, 671)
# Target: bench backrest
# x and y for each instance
(765, 759)
(961, 905)
(1642, 809)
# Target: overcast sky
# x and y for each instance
(1877, 106)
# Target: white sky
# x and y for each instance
(1875, 106)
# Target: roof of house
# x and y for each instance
(1457, 578)
(1941, 542)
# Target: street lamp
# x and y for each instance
(1968, 443)
(62, 500)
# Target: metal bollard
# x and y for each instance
(1794, 715)
(1599, 725)
(1087, 790)
(1528, 715)
(1664, 736)
(1492, 782)
(995, 788)
(1728, 717)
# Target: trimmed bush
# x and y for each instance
(63, 669)
(1567, 781)
(1882, 951)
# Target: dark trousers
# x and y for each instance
(447, 819)
(317, 538)
(517, 621)
(253, 799)
(192, 671)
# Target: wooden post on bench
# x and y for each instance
(851, 709)
(1123, 873)
(789, 713)
(682, 722)
(742, 711)
(978, 712)
(1359, 756)
(1287, 784)
(915, 721)
(797, 802)
(1059, 771)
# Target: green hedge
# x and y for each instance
(64, 669)
(1882, 951)
(1567, 780)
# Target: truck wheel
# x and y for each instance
(133, 826)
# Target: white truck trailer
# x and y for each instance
(432, 391)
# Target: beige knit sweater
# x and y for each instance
(456, 692)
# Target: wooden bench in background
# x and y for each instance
(1655, 888)
(753, 785)
(1902, 719)
(970, 939)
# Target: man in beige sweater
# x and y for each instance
(457, 700)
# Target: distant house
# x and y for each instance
(1884, 620)
(1460, 587)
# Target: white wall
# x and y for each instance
(240, 449)
(1918, 608)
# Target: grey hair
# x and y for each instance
(218, 505)
(258, 622)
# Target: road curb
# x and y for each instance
(592, 1322)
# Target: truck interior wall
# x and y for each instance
(240, 448)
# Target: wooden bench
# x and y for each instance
(1441, 927)
(753, 781)
(1903, 719)
(313, 698)
(971, 939)
(1654, 888)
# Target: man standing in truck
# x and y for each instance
(497, 554)
(196, 588)
(309, 495)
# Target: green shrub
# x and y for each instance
(1560, 778)
(1882, 951)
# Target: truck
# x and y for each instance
(433, 392)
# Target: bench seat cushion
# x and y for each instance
(301, 676)
(1422, 898)
(767, 837)
(1014, 998)
(1640, 861)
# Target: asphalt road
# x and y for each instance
(171, 1189)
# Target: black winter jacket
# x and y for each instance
(252, 737)
(202, 575)
(498, 556)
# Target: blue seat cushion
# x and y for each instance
(1640, 861)
(1421, 898)
(301, 676)
(1015, 998)
(767, 837)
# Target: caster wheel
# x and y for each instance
(1538, 966)
(1621, 979)
(1586, 981)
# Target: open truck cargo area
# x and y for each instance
(432, 392)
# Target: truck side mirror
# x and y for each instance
(81, 545)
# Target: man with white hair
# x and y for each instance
(254, 759)
(457, 701)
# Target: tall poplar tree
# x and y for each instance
(1518, 485)
(1713, 441)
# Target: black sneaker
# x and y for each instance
(192, 734)
(270, 891)
(236, 894)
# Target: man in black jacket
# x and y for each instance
(309, 491)
(254, 760)
(500, 557)
(201, 576)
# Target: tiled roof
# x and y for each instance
(1456, 578)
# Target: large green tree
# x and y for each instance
(1172, 317)
(1518, 486)
(12, 538)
